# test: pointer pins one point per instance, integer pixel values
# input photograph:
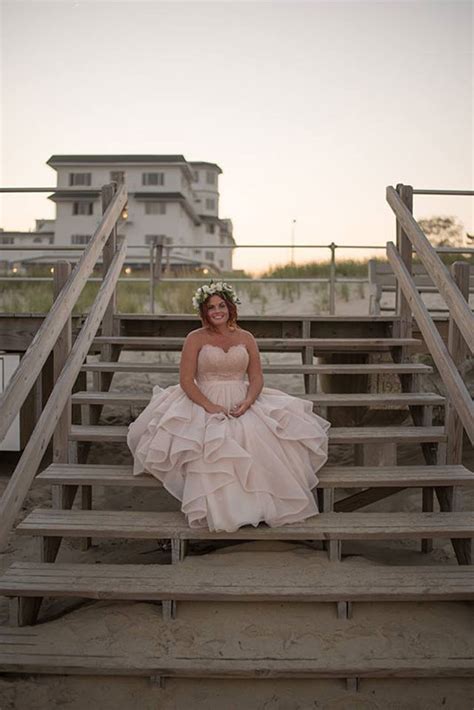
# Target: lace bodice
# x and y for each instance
(214, 363)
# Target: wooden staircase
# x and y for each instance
(341, 521)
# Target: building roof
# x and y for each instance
(89, 159)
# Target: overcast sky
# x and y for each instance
(310, 108)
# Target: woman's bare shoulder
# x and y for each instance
(246, 335)
(196, 337)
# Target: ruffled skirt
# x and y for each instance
(229, 472)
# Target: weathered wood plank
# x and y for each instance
(337, 435)
(190, 581)
(322, 399)
(329, 476)
(33, 656)
(326, 526)
(270, 344)
(335, 369)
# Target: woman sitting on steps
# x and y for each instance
(231, 450)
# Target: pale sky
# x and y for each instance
(310, 108)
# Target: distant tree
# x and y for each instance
(444, 231)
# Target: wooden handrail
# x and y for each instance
(458, 392)
(437, 271)
(42, 344)
(25, 471)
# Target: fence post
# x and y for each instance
(459, 352)
(332, 280)
(403, 311)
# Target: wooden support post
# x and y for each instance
(178, 553)
(328, 500)
(335, 550)
(344, 610)
(310, 381)
(459, 351)
(404, 326)
(108, 253)
(61, 351)
(427, 493)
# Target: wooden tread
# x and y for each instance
(337, 435)
(190, 581)
(329, 476)
(296, 369)
(50, 522)
(270, 344)
(385, 399)
(25, 651)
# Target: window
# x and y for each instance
(155, 238)
(37, 240)
(155, 207)
(80, 239)
(209, 255)
(80, 179)
(7, 240)
(117, 176)
(210, 228)
(195, 175)
(210, 203)
(82, 208)
(210, 177)
(221, 263)
(153, 178)
(197, 251)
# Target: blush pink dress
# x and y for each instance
(229, 472)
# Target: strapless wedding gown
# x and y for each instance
(227, 471)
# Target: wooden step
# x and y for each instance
(337, 435)
(296, 369)
(357, 345)
(190, 581)
(329, 476)
(325, 526)
(385, 399)
(26, 651)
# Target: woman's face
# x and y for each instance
(217, 311)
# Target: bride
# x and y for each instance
(231, 450)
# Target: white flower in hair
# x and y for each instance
(211, 289)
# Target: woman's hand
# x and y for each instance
(216, 409)
(241, 408)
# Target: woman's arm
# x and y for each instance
(187, 373)
(255, 375)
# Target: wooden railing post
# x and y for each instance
(459, 352)
(108, 253)
(62, 271)
(403, 310)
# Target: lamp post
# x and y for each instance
(293, 229)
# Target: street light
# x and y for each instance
(293, 229)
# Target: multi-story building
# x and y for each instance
(170, 200)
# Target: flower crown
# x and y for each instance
(214, 287)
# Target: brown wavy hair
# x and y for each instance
(231, 308)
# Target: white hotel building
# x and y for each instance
(170, 200)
